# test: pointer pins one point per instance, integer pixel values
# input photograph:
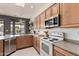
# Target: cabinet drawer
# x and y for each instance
(66, 53)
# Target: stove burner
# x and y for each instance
(53, 39)
(46, 37)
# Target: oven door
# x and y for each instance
(46, 48)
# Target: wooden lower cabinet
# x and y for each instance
(61, 52)
(36, 43)
(57, 53)
(24, 41)
(1, 47)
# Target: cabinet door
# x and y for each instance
(24, 41)
(38, 44)
(48, 13)
(36, 22)
(66, 14)
(28, 41)
(58, 51)
(35, 42)
(42, 18)
(69, 14)
(75, 13)
(19, 42)
(55, 9)
(39, 22)
(1, 48)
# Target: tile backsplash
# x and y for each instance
(70, 33)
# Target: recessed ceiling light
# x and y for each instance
(20, 4)
(31, 6)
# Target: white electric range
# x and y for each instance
(46, 44)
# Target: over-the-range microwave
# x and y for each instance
(53, 22)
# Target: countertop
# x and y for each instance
(71, 47)
(12, 36)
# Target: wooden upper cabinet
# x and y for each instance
(42, 18)
(69, 13)
(36, 22)
(48, 13)
(39, 22)
(55, 9)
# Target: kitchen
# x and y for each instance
(51, 29)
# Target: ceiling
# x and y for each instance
(27, 12)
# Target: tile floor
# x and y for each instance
(26, 52)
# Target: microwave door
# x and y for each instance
(51, 23)
(56, 21)
(46, 24)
